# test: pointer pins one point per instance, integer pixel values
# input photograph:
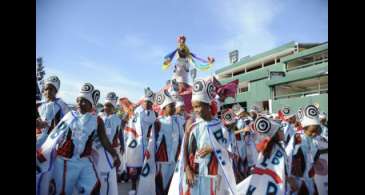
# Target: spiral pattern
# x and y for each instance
(228, 116)
(311, 111)
(286, 110)
(210, 90)
(198, 86)
(262, 125)
(160, 98)
(96, 96)
(87, 88)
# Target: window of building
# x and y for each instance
(243, 87)
(303, 88)
(307, 61)
(254, 68)
(239, 72)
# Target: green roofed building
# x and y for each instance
(294, 75)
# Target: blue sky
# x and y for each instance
(119, 45)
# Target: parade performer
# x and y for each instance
(229, 120)
(248, 136)
(269, 174)
(184, 59)
(51, 110)
(169, 132)
(321, 165)
(303, 152)
(324, 127)
(67, 150)
(125, 113)
(136, 135)
(288, 120)
(107, 172)
(242, 126)
(208, 169)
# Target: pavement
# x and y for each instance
(123, 188)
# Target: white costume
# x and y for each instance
(268, 175)
(302, 152)
(51, 112)
(289, 130)
(106, 170)
(214, 173)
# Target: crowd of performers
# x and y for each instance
(176, 142)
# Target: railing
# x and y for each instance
(301, 94)
(306, 65)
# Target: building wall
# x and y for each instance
(259, 86)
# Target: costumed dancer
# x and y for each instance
(68, 148)
(321, 166)
(324, 125)
(180, 109)
(250, 139)
(288, 121)
(229, 121)
(184, 59)
(208, 169)
(107, 172)
(169, 130)
(303, 152)
(50, 111)
(136, 137)
(242, 127)
(125, 113)
(269, 174)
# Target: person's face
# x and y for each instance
(253, 115)
(201, 109)
(83, 105)
(222, 98)
(50, 92)
(180, 110)
(312, 130)
(181, 41)
(243, 114)
(170, 109)
(292, 120)
(280, 134)
(231, 126)
(108, 108)
(147, 105)
(323, 120)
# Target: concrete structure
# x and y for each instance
(294, 74)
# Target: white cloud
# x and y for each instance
(141, 48)
(248, 24)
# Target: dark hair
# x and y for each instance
(274, 140)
